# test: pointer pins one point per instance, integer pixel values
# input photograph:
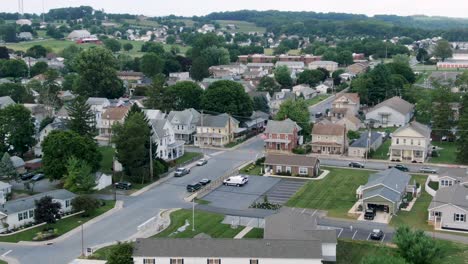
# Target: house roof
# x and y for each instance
(184, 117)
(158, 127)
(4, 185)
(289, 159)
(392, 183)
(97, 101)
(423, 130)
(456, 195)
(17, 161)
(255, 64)
(27, 203)
(361, 142)
(281, 127)
(397, 104)
(323, 63)
(115, 113)
(354, 97)
(328, 129)
(63, 112)
(154, 114)
(6, 101)
(228, 248)
(215, 120)
(130, 74)
(290, 64)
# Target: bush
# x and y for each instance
(299, 151)
(260, 161)
(87, 204)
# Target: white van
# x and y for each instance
(238, 180)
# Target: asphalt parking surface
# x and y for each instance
(283, 190)
(238, 198)
(361, 234)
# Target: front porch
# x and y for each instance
(409, 155)
(211, 139)
(175, 150)
(327, 149)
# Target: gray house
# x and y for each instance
(449, 208)
(364, 144)
(394, 112)
(384, 190)
(184, 124)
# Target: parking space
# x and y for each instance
(239, 198)
(361, 234)
(285, 188)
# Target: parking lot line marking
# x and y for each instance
(383, 238)
(303, 211)
(339, 234)
(6, 253)
(368, 236)
(354, 235)
(313, 212)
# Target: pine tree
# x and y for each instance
(462, 143)
(443, 114)
(82, 120)
(7, 170)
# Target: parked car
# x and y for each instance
(356, 165)
(194, 187)
(123, 185)
(181, 172)
(202, 162)
(27, 176)
(369, 214)
(399, 167)
(376, 234)
(318, 115)
(427, 170)
(238, 180)
(38, 177)
(205, 182)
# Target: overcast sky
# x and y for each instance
(452, 8)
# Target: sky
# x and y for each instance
(450, 8)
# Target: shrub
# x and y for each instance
(299, 151)
(260, 161)
(87, 204)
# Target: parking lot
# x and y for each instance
(359, 234)
(239, 198)
(283, 190)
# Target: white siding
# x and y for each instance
(394, 119)
(447, 219)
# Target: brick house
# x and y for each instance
(281, 136)
(294, 165)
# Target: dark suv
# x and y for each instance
(27, 176)
(123, 185)
(369, 214)
(193, 187)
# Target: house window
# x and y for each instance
(31, 213)
(213, 261)
(404, 141)
(398, 141)
(419, 142)
(303, 171)
(25, 215)
(177, 261)
(67, 203)
(288, 169)
(254, 261)
(149, 261)
(20, 217)
(278, 168)
(411, 142)
(459, 217)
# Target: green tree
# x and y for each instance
(18, 92)
(47, 120)
(345, 57)
(260, 103)
(401, 59)
(38, 68)
(185, 95)
(158, 98)
(417, 248)
(268, 84)
(16, 129)
(422, 56)
(85, 203)
(121, 254)
(311, 77)
(151, 64)
(97, 69)
(199, 69)
(7, 170)
(170, 40)
(47, 211)
(82, 119)
(4, 53)
(13, 68)
(216, 56)
(36, 51)
(297, 111)
(59, 146)
(443, 50)
(79, 177)
(70, 52)
(113, 45)
(442, 117)
(353, 135)
(462, 81)
(362, 85)
(153, 47)
(403, 70)
(283, 76)
(128, 47)
(462, 143)
(383, 259)
(227, 97)
(330, 55)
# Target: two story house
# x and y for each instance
(281, 136)
(109, 118)
(184, 124)
(411, 143)
(216, 130)
(330, 139)
(98, 105)
(394, 112)
(348, 101)
(169, 148)
(57, 124)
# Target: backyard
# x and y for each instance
(336, 193)
(447, 153)
(317, 99)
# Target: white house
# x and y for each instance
(366, 142)
(19, 164)
(79, 34)
(293, 66)
(449, 208)
(322, 88)
(411, 143)
(57, 124)
(5, 189)
(392, 112)
(109, 118)
(19, 212)
(102, 181)
(349, 101)
(98, 106)
(163, 134)
(305, 91)
(184, 124)
(6, 101)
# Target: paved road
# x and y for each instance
(320, 107)
(137, 210)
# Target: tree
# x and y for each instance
(199, 69)
(151, 64)
(97, 69)
(216, 56)
(283, 76)
(121, 254)
(185, 95)
(36, 51)
(353, 135)
(47, 120)
(401, 59)
(345, 57)
(128, 47)
(113, 45)
(153, 47)
(38, 68)
(362, 85)
(85, 203)
(16, 129)
(170, 40)
(311, 77)
(132, 142)
(4, 53)
(297, 111)
(268, 84)
(59, 146)
(7, 170)
(157, 95)
(443, 50)
(383, 259)
(403, 70)
(18, 92)
(13, 68)
(462, 143)
(82, 119)
(422, 56)
(442, 117)
(260, 103)
(227, 97)
(330, 55)
(79, 177)
(417, 248)
(47, 211)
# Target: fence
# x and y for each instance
(429, 190)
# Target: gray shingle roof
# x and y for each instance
(158, 127)
(389, 181)
(6, 101)
(456, 195)
(215, 121)
(397, 104)
(27, 203)
(291, 160)
(281, 127)
(424, 130)
(228, 248)
(361, 142)
(184, 117)
(96, 100)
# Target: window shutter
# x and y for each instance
(464, 218)
(454, 217)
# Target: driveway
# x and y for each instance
(43, 185)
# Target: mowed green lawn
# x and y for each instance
(317, 99)
(335, 194)
(382, 152)
(447, 153)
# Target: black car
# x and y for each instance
(205, 182)
(356, 165)
(27, 176)
(376, 234)
(123, 185)
(194, 187)
(369, 214)
(400, 167)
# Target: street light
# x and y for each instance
(82, 238)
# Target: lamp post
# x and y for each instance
(82, 239)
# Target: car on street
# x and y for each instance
(318, 115)
(428, 170)
(356, 165)
(181, 172)
(369, 214)
(205, 182)
(202, 162)
(399, 167)
(238, 181)
(194, 187)
(123, 185)
(38, 177)
(376, 234)
(27, 176)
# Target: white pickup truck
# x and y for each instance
(238, 180)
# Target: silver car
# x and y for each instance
(427, 170)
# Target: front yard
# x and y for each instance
(251, 169)
(447, 153)
(336, 193)
(187, 157)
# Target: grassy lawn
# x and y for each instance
(252, 170)
(382, 151)
(448, 153)
(187, 157)
(63, 226)
(255, 233)
(106, 162)
(434, 185)
(336, 193)
(208, 223)
(201, 201)
(317, 99)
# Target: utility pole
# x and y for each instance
(202, 140)
(151, 158)
(193, 215)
